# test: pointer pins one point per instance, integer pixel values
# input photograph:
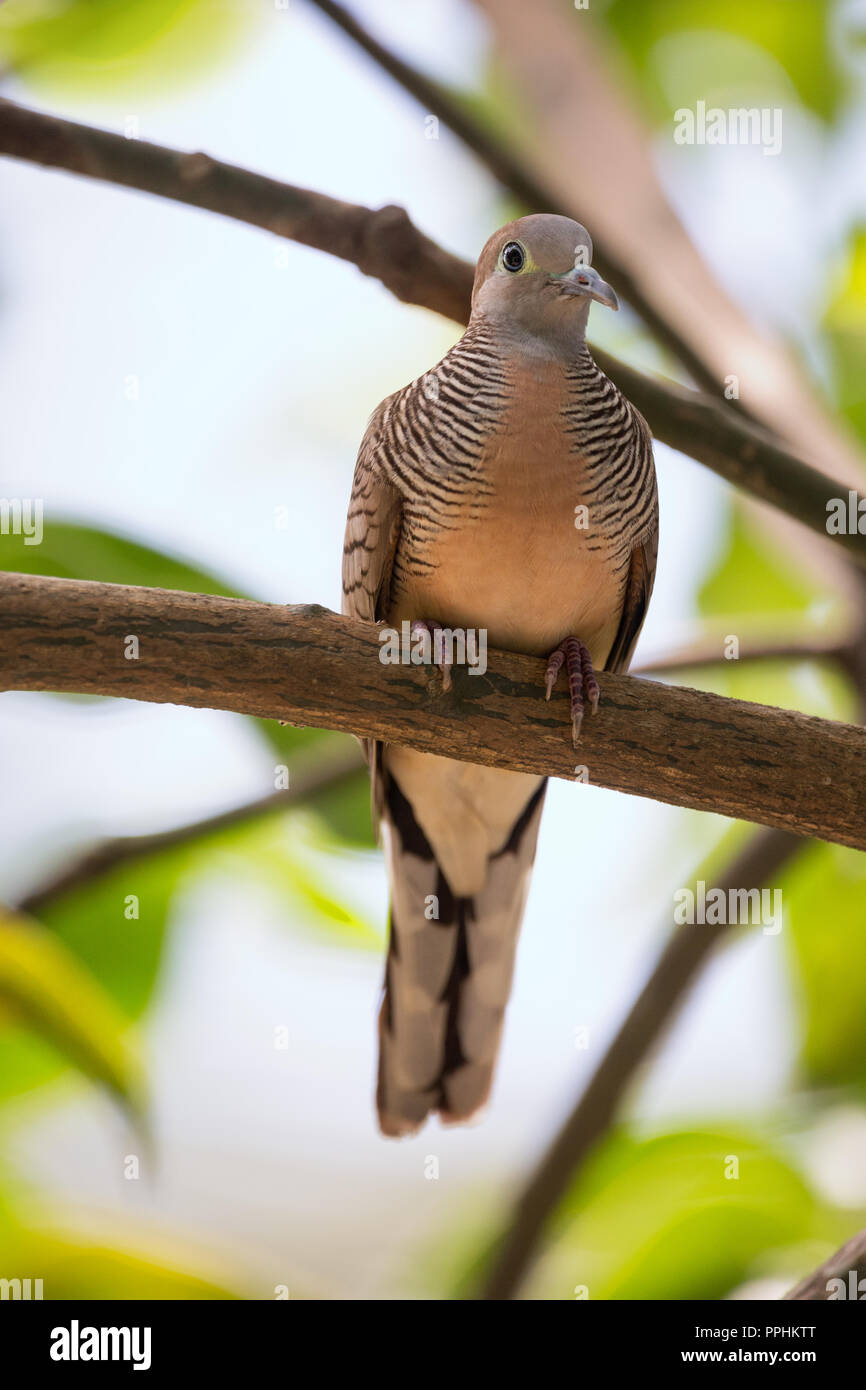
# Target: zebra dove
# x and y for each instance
(511, 489)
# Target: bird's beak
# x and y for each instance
(583, 280)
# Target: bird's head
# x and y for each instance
(534, 279)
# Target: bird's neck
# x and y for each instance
(563, 342)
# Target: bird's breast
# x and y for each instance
(519, 557)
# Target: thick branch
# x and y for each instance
(387, 245)
(851, 1258)
(652, 1013)
(311, 667)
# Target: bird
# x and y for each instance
(511, 489)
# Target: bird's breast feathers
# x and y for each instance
(517, 550)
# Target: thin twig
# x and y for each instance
(710, 652)
(103, 858)
(847, 1265)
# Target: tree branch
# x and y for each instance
(710, 652)
(514, 176)
(311, 667)
(382, 244)
(387, 245)
(102, 858)
(850, 1258)
(652, 1013)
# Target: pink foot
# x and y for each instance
(444, 665)
(581, 679)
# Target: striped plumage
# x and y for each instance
(466, 510)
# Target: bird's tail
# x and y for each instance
(448, 971)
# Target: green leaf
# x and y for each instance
(665, 1218)
(753, 577)
(345, 812)
(89, 924)
(752, 590)
(279, 856)
(94, 1269)
(123, 953)
(683, 50)
(89, 46)
(287, 740)
(69, 550)
(845, 333)
(43, 984)
(825, 912)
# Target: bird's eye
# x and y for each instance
(513, 256)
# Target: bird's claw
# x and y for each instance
(574, 655)
(444, 666)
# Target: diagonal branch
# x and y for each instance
(512, 174)
(102, 858)
(591, 143)
(847, 1261)
(652, 1013)
(311, 667)
(383, 244)
(387, 245)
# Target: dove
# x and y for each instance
(509, 491)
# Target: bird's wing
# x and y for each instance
(641, 575)
(372, 532)
(372, 529)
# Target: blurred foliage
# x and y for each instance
(88, 1268)
(659, 1217)
(289, 856)
(123, 952)
(668, 44)
(754, 589)
(43, 983)
(124, 955)
(345, 810)
(824, 900)
(89, 922)
(70, 550)
(845, 333)
(96, 47)
(115, 1264)
(752, 577)
(689, 1214)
